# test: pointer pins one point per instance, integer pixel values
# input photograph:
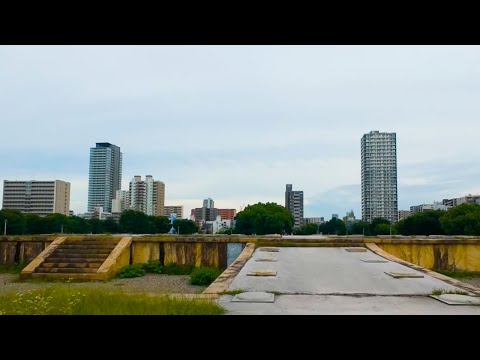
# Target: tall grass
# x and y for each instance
(63, 300)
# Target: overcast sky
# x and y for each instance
(237, 123)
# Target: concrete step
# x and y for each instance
(64, 277)
(87, 246)
(60, 250)
(65, 270)
(95, 265)
(56, 255)
(109, 242)
(74, 260)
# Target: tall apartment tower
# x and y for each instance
(208, 203)
(294, 204)
(147, 196)
(379, 176)
(105, 176)
(37, 197)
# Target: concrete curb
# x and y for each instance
(35, 263)
(224, 280)
(377, 250)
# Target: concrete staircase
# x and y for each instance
(79, 259)
(76, 257)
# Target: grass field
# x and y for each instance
(65, 300)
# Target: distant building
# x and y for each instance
(147, 196)
(468, 199)
(71, 213)
(169, 210)
(425, 207)
(105, 175)
(313, 220)
(334, 216)
(227, 214)
(208, 203)
(294, 204)
(121, 201)
(403, 214)
(210, 213)
(37, 197)
(213, 227)
(204, 214)
(379, 176)
(98, 214)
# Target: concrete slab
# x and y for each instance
(262, 272)
(356, 249)
(254, 297)
(266, 259)
(404, 274)
(332, 270)
(346, 305)
(269, 249)
(457, 299)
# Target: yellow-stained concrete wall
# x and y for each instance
(461, 257)
(446, 253)
(145, 252)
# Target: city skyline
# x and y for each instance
(270, 115)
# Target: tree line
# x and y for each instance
(131, 222)
(259, 219)
(460, 220)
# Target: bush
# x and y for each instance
(132, 271)
(153, 267)
(174, 269)
(204, 276)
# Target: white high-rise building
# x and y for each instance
(37, 197)
(147, 196)
(379, 176)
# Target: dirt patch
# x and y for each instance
(150, 284)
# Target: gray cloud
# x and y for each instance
(239, 122)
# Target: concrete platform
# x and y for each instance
(330, 280)
(347, 305)
(330, 271)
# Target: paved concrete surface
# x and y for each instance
(347, 305)
(334, 281)
(332, 271)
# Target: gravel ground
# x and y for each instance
(150, 283)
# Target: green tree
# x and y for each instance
(160, 224)
(334, 227)
(262, 219)
(308, 229)
(15, 222)
(135, 222)
(186, 226)
(424, 223)
(33, 224)
(382, 229)
(462, 220)
(110, 226)
(96, 226)
(377, 227)
(53, 223)
(360, 228)
(78, 225)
